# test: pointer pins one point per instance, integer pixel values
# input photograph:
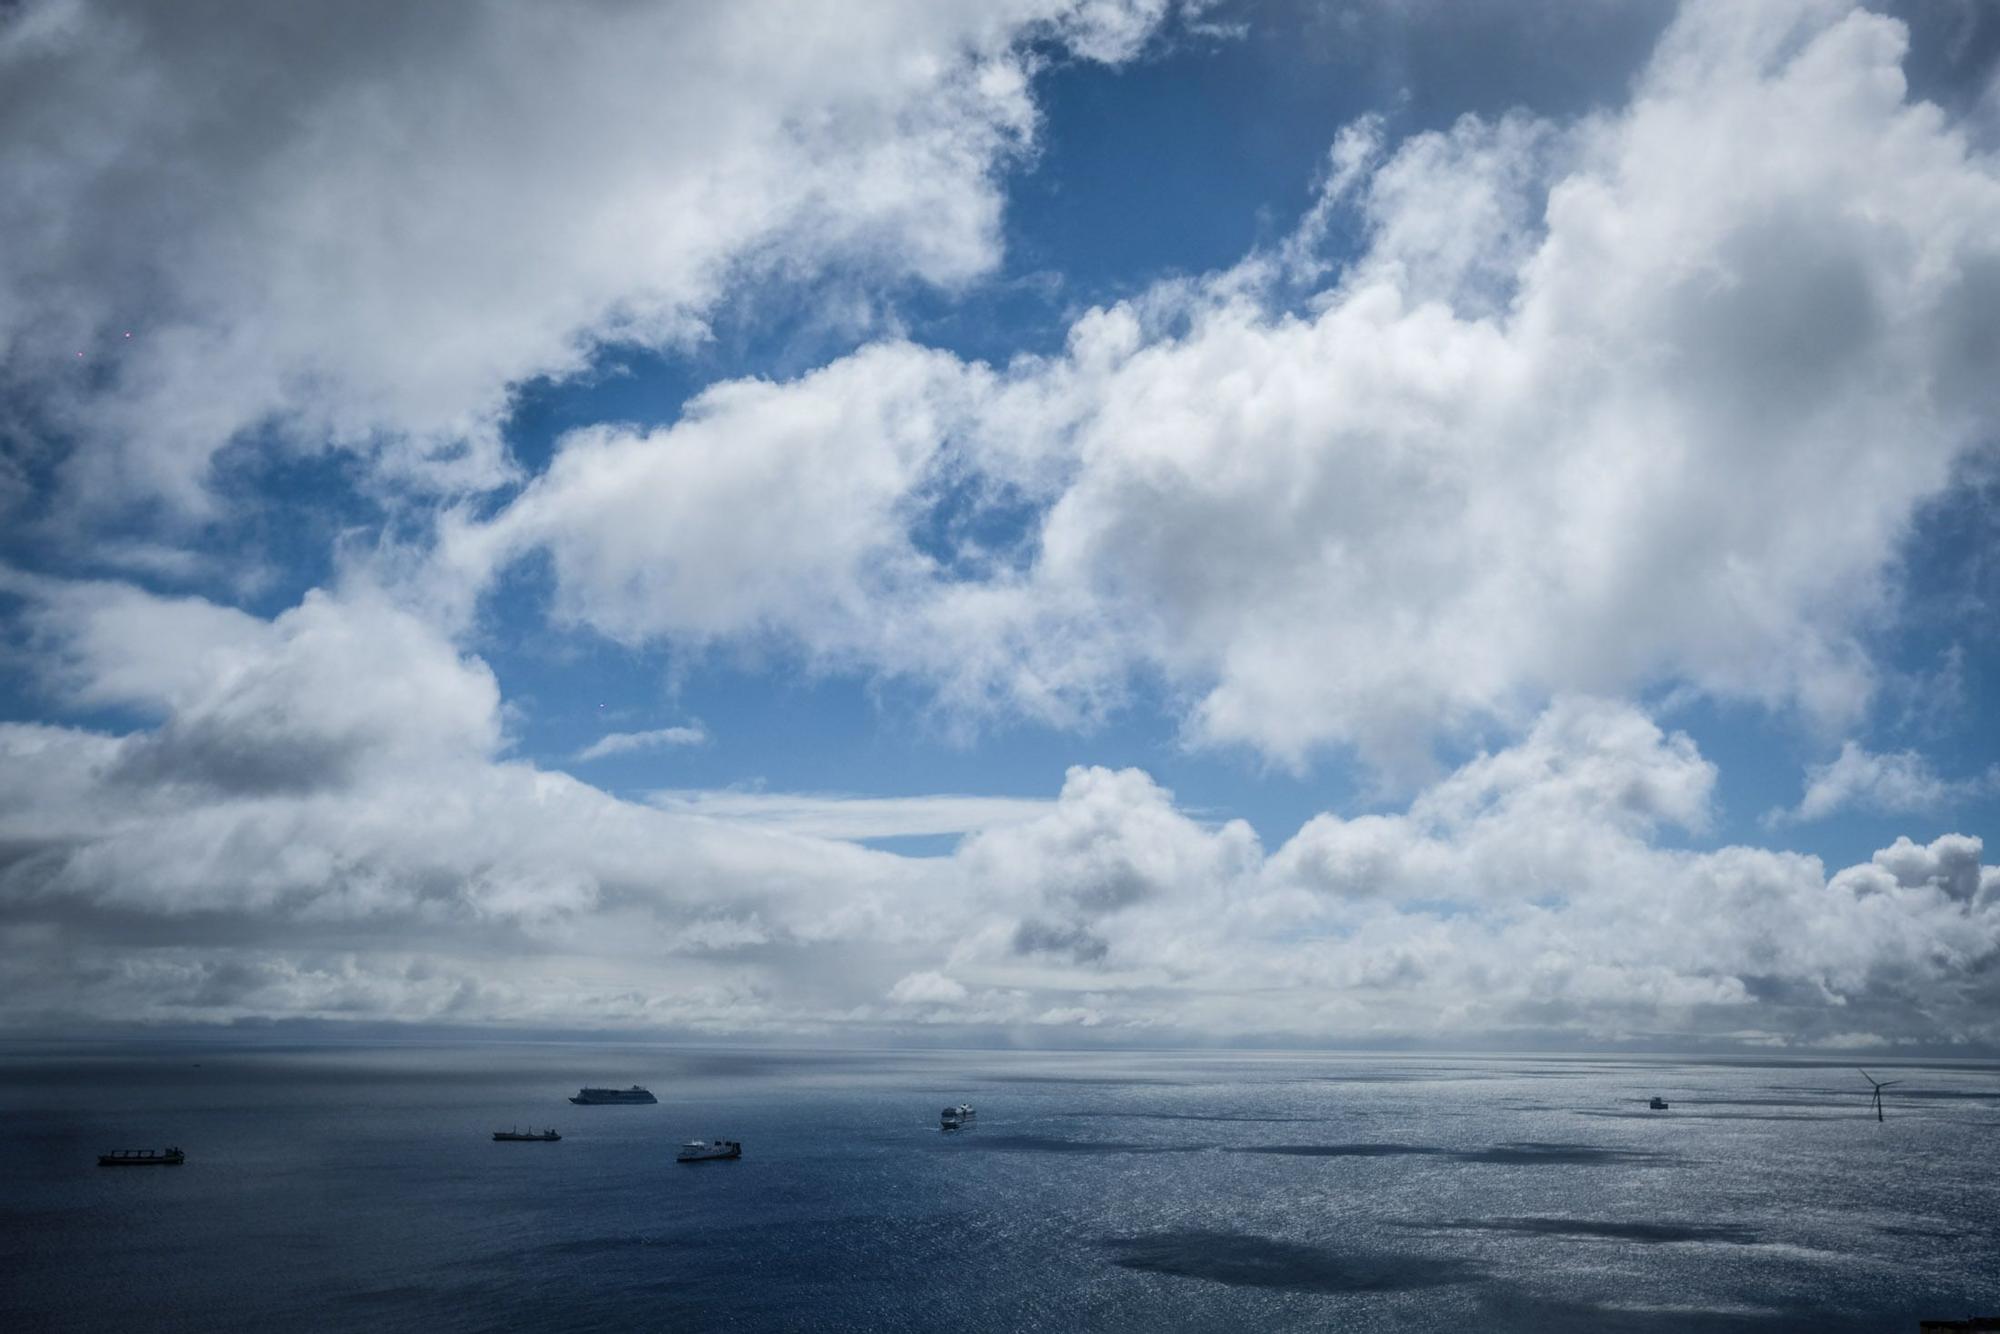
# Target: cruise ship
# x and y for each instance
(595, 1097)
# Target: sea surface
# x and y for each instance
(358, 1187)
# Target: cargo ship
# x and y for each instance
(548, 1136)
(142, 1158)
(602, 1097)
(704, 1151)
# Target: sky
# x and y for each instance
(1037, 522)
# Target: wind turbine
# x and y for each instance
(1879, 1084)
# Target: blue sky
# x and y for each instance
(1584, 497)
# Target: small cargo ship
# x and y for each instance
(142, 1158)
(612, 1097)
(548, 1136)
(1658, 1104)
(954, 1117)
(708, 1150)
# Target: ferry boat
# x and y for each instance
(954, 1117)
(600, 1097)
(548, 1136)
(1658, 1104)
(703, 1151)
(142, 1158)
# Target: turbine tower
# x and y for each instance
(1879, 1084)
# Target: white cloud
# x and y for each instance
(365, 225)
(765, 509)
(302, 700)
(1525, 892)
(1900, 782)
(926, 989)
(199, 870)
(1113, 846)
(1584, 440)
(622, 743)
(1589, 781)
(1950, 864)
(1079, 1015)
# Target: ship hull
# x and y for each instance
(613, 1098)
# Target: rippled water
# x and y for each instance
(345, 1187)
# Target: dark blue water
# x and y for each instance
(344, 1187)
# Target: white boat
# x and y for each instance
(708, 1150)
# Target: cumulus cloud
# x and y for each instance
(1547, 816)
(298, 701)
(364, 226)
(659, 738)
(1527, 892)
(1582, 440)
(424, 875)
(1950, 864)
(1113, 845)
(1899, 782)
(766, 508)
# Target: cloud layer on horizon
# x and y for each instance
(165, 875)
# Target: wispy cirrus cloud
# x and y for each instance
(659, 738)
(843, 816)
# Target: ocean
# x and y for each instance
(344, 1187)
